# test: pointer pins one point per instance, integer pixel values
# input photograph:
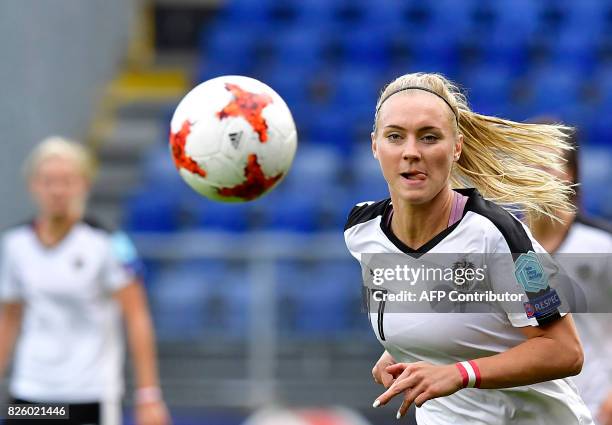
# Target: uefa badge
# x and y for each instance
(530, 273)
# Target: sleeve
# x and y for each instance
(121, 262)
(349, 229)
(526, 275)
(10, 286)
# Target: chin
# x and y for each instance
(415, 196)
(57, 213)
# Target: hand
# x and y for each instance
(604, 416)
(381, 376)
(420, 382)
(153, 413)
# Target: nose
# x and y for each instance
(411, 151)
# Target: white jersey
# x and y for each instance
(449, 338)
(70, 348)
(595, 381)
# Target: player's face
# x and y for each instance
(416, 144)
(58, 187)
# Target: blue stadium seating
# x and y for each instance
(489, 88)
(553, 89)
(299, 48)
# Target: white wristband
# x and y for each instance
(147, 395)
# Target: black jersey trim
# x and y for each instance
(511, 229)
(423, 249)
(366, 212)
(594, 222)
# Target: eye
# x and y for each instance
(430, 138)
(394, 137)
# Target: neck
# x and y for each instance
(52, 229)
(414, 225)
(551, 233)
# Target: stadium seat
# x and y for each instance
(158, 167)
(586, 16)
(315, 167)
(315, 13)
(223, 46)
(229, 305)
(331, 128)
(515, 17)
(387, 14)
(576, 49)
(296, 48)
(151, 211)
(553, 89)
(434, 51)
(505, 49)
(290, 82)
(224, 217)
(308, 307)
(291, 211)
(355, 86)
(180, 295)
(246, 12)
(367, 46)
(489, 88)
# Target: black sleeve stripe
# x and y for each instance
(596, 223)
(365, 212)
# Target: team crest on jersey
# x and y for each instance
(530, 273)
(463, 283)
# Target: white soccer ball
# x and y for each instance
(232, 138)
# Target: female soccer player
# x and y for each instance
(62, 287)
(578, 241)
(465, 368)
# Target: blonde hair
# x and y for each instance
(503, 159)
(62, 147)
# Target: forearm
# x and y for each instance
(10, 321)
(535, 360)
(142, 347)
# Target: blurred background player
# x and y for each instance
(64, 290)
(577, 234)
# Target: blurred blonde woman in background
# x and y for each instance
(64, 287)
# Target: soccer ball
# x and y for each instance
(232, 138)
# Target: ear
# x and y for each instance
(373, 138)
(458, 147)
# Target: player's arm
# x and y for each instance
(550, 352)
(141, 339)
(10, 324)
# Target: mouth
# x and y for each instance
(414, 175)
